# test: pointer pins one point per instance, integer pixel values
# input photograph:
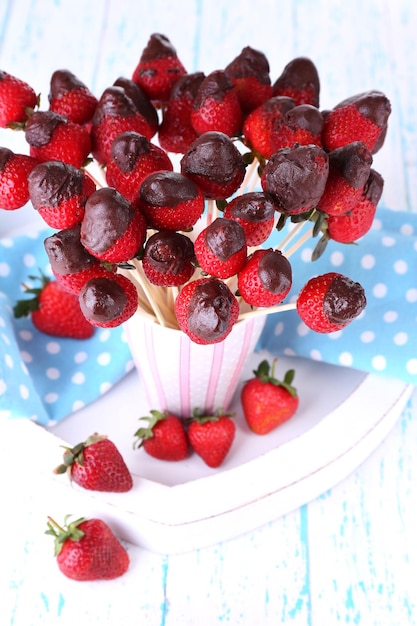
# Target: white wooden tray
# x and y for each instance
(176, 507)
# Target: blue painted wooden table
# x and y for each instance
(349, 556)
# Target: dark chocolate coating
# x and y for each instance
(296, 177)
(40, 127)
(210, 309)
(248, 63)
(167, 189)
(65, 252)
(213, 156)
(274, 271)
(225, 237)
(102, 299)
(353, 162)
(53, 182)
(344, 300)
(106, 218)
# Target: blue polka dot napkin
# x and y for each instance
(383, 339)
(42, 377)
(46, 378)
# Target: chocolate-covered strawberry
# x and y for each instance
(303, 124)
(14, 172)
(220, 248)
(108, 301)
(70, 97)
(216, 106)
(296, 177)
(215, 164)
(59, 192)
(206, 310)
(300, 81)
(349, 169)
(115, 113)
(140, 100)
(329, 302)
(133, 157)
(363, 117)
(158, 68)
(52, 137)
(265, 279)
(249, 72)
(167, 259)
(70, 262)
(262, 122)
(350, 226)
(170, 201)
(255, 211)
(176, 132)
(112, 229)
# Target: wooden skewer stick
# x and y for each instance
(150, 294)
(267, 311)
(299, 242)
(252, 169)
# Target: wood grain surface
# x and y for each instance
(348, 557)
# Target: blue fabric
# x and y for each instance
(42, 377)
(383, 339)
(46, 378)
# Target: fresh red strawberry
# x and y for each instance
(14, 172)
(133, 157)
(265, 279)
(220, 248)
(349, 168)
(87, 549)
(299, 80)
(59, 191)
(17, 99)
(52, 137)
(70, 262)
(303, 124)
(115, 113)
(206, 310)
(108, 301)
(70, 97)
(249, 72)
(351, 226)
(163, 437)
(158, 68)
(261, 123)
(176, 133)
(255, 211)
(307, 167)
(140, 100)
(170, 201)
(329, 302)
(97, 465)
(54, 311)
(168, 259)
(216, 106)
(212, 436)
(112, 229)
(363, 117)
(266, 401)
(215, 165)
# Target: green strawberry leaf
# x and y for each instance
(266, 374)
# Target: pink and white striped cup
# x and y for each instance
(180, 375)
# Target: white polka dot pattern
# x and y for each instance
(46, 378)
(383, 339)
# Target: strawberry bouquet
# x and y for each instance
(163, 192)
